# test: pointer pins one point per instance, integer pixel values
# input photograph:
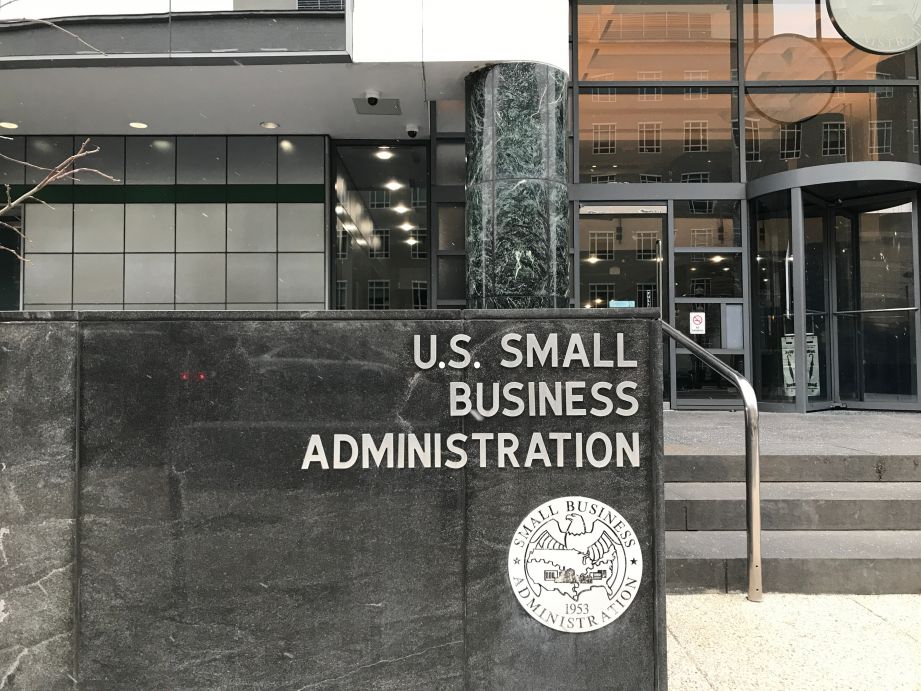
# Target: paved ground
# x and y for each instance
(825, 433)
(814, 642)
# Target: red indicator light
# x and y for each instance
(201, 376)
(183, 376)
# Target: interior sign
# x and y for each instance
(698, 322)
(536, 394)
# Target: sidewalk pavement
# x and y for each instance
(794, 642)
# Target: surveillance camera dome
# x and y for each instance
(373, 97)
(412, 131)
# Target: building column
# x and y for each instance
(517, 199)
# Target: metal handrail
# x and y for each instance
(752, 455)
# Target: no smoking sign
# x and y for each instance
(698, 322)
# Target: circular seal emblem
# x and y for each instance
(575, 564)
(879, 26)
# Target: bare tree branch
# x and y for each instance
(65, 170)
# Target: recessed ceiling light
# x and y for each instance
(138, 125)
(412, 241)
(384, 154)
(393, 185)
(9, 125)
(593, 259)
(269, 125)
(400, 209)
(286, 145)
(407, 226)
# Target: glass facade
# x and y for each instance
(382, 238)
(190, 223)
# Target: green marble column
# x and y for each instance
(517, 200)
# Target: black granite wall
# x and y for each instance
(158, 531)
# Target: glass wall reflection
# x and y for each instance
(796, 40)
(651, 134)
(790, 128)
(382, 242)
(643, 41)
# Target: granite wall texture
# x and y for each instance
(517, 206)
(206, 558)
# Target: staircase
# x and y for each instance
(843, 523)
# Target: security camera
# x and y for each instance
(412, 131)
(373, 97)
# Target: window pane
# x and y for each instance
(796, 39)
(301, 277)
(149, 278)
(618, 250)
(200, 228)
(110, 159)
(98, 278)
(12, 173)
(301, 227)
(772, 300)
(831, 125)
(200, 278)
(450, 115)
(451, 230)
(49, 228)
(47, 152)
(150, 160)
(251, 228)
(300, 160)
(201, 161)
(707, 275)
(251, 160)
(450, 164)
(657, 135)
(452, 279)
(99, 228)
(713, 338)
(698, 381)
(150, 227)
(708, 223)
(650, 40)
(47, 279)
(381, 226)
(251, 278)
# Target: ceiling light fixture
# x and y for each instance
(407, 227)
(400, 209)
(286, 145)
(593, 259)
(412, 241)
(393, 185)
(384, 153)
(717, 258)
(9, 125)
(269, 125)
(138, 125)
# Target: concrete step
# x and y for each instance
(795, 505)
(855, 562)
(795, 468)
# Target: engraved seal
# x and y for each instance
(575, 564)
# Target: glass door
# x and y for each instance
(621, 255)
(876, 303)
(817, 215)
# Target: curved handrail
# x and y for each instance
(752, 455)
